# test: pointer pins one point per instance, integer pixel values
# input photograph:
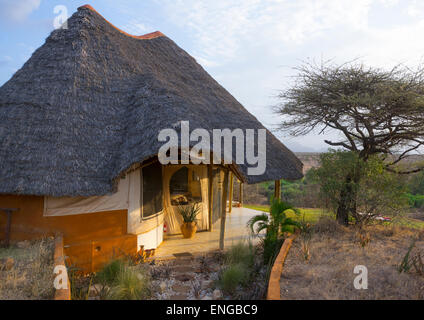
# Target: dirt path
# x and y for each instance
(186, 278)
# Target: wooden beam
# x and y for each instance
(277, 190)
(8, 212)
(241, 194)
(231, 194)
(210, 203)
(224, 210)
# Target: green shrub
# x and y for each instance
(271, 247)
(109, 274)
(233, 276)
(276, 224)
(415, 200)
(122, 282)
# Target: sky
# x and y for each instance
(249, 46)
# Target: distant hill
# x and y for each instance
(312, 160)
(309, 160)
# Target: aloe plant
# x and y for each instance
(189, 213)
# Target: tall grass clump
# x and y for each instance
(239, 262)
(242, 252)
(120, 281)
(233, 276)
(131, 284)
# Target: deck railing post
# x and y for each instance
(224, 210)
(231, 194)
(210, 204)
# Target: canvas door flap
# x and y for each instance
(173, 219)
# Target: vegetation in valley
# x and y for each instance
(377, 113)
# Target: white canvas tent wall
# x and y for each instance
(128, 197)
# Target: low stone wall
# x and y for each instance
(273, 292)
(59, 264)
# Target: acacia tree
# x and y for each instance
(376, 112)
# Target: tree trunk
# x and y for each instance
(347, 202)
(342, 215)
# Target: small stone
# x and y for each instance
(217, 294)
(207, 297)
(23, 244)
(163, 286)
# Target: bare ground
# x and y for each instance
(334, 253)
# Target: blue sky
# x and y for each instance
(248, 46)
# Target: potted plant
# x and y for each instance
(189, 214)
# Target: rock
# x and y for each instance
(7, 264)
(163, 286)
(23, 244)
(217, 294)
(207, 297)
(206, 284)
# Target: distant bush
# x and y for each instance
(416, 200)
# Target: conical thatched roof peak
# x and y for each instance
(90, 102)
(146, 36)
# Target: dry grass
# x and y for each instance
(31, 276)
(336, 250)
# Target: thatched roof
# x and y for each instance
(90, 102)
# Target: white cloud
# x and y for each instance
(18, 10)
(244, 43)
(415, 8)
(221, 28)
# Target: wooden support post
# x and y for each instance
(231, 193)
(241, 194)
(277, 190)
(224, 210)
(210, 204)
(8, 212)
